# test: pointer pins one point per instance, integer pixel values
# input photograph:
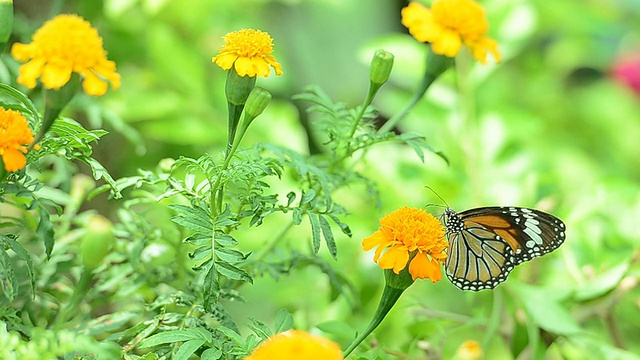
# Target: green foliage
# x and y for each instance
(215, 249)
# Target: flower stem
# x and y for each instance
(388, 299)
(436, 65)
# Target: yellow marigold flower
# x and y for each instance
(66, 44)
(15, 135)
(448, 25)
(249, 52)
(409, 234)
(296, 345)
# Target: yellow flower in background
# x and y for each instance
(469, 350)
(409, 234)
(249, 52)
(448, 25)
(15, 135)
(63, 45)
(296, 345)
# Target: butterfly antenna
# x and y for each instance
(438, 195)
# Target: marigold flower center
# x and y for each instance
(248, 43)
(465, 17)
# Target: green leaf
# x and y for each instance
(211, 290)
(283, 321)
(328, 237)
(99, 172)
(344, 227)
(8, 281)
(297, 216)
(223, 239)
(260, 329)
(315, 231)
(232, 272)
(24, 99)
(307, 197)
(23, 255)
(603, 282)
(187, 349)
(45, 231)
(230, 256)
(192, 218)
(171, 336)
(211, 354)
(544, 308)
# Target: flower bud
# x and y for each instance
(381, 66)
(238, 88)
(96, 242)
(6, 21)
(257, 102)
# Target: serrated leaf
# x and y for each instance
(230, 333)
(24, 256)
(211, 354)
(291, 197)
(99, 172)
(211, 289)
(297, 216)
(45, 231)
(24, 99)
(232, 272)
(167, 337)
(223, 239)
(343, 227)
(260, 329)
(283, 321)
(315, 231)
(8, 281)
(187, 349)
(328, 237)
(192, 218)
(307, 197)
(229, 255)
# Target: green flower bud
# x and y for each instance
(6, 21)
(257, 102)
(96, 242)
(238, 88)
(381, 66)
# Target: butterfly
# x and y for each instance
(486, 243)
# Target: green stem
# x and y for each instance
(436, 65)
(81, 290)
(388, 299)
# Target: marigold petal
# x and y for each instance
(394, 258)
(55, 76)
(14, 160)
(93, 85)
(22, 52)
(244, 67)
(261, 67)
(276, 65)
(421, 267)
(30, 72)
(448, 44)
(225, 61)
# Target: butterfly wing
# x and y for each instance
(486, 243)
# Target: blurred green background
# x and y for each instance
(549, 127)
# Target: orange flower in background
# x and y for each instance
(248, 51)
(15, 135)
(448, 25)
(296, 345)
(411, 236)
(63, 45)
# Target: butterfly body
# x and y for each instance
(486, 243)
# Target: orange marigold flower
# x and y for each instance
(249, 52)
(295, 345)
(15, 135)
(448, 25)
(409, 234)
(66, 44)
